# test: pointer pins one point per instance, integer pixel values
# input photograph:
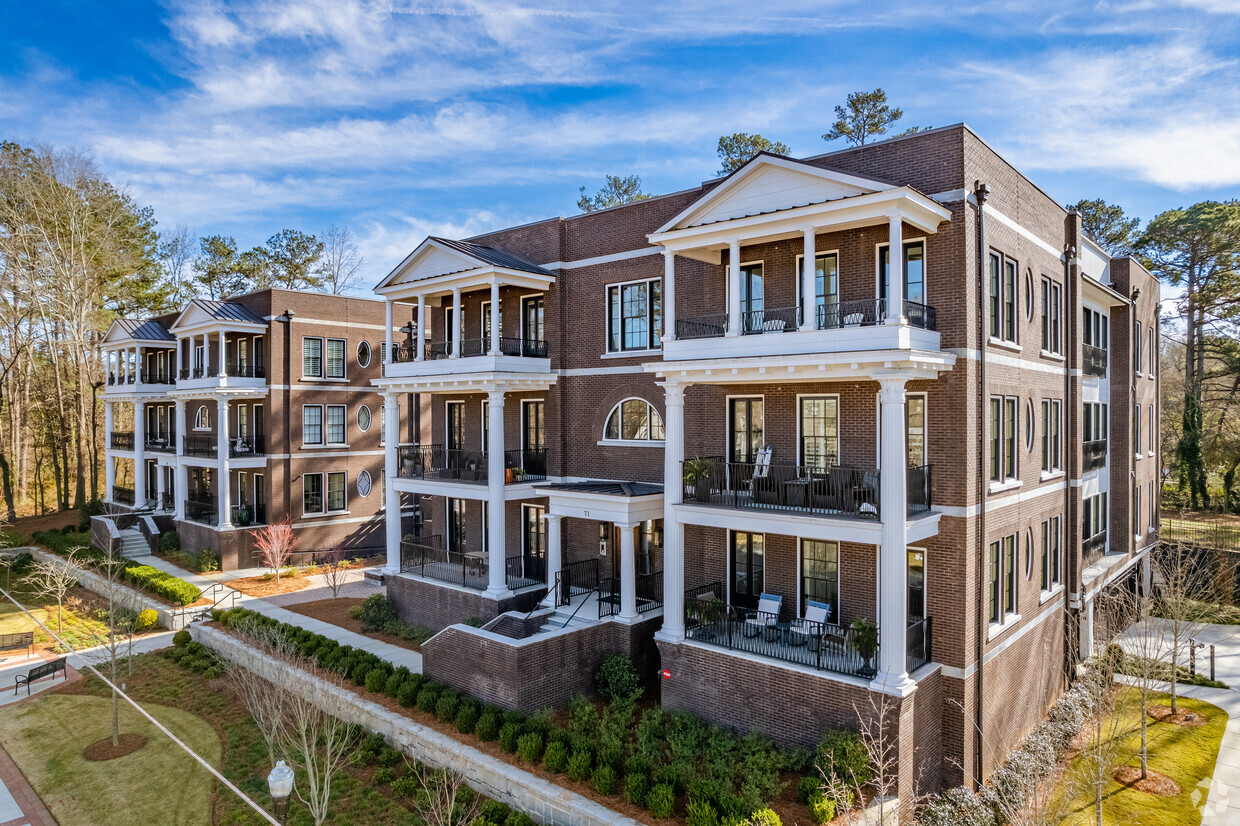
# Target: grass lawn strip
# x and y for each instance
(159, 783)
(1185, 754)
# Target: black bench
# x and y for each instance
(38, 673)
(15, 642)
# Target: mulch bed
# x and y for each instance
(1181, 718)
(1156, 783)
(258, 586)
(336, 612)
(127, 743)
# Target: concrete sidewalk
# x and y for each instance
(392, 653)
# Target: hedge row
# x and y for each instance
(152, 580)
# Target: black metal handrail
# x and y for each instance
(122, 494)
(918, 644)
(121, 440)
(167, 501)
(426, 556)
(197, 510)
(862, 312)
(920, 315)
(525, 465)
(649, 592)
(517, 573)
(608, 597)
(158, 377)
(918, 490)
(162, 442)
(199, 444)
(1094, 454)
(245, 371)
(770, 320)
(437, 462)
(524, 347)
(200, 372)
(1093, 361)
(714, 325)
(251, 445)
(836, 490)
(577, 578)
(404, 352)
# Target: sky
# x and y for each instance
(401, 120)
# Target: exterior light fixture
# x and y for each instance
(280, 783)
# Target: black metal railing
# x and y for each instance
(121, 440)
(535, 348)
(836, 490)
(199, 372)
(122, 494)
(918, 491)
(252, 445)
(201, 510)
(525, 465)
(609, 597)
(920, 315)
(524, 572)
(158, 377)
(714, 325)
(1093, 361)
(1094, 454)
(254, 515)
(649, 592)
(249, 370)
(863, 312)
(162, 442)
(407, 351)
(167, 501)
(427, 557)
(575, 579)
(815, 645)
(437, 462)
(199, 444)
(770, 320)
(917, 644)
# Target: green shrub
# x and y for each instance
(516, 718)
(388, 756)
(447, 705)
(376, 680)
(617, 679)
(530, 746)
(509, 734)
(428, 696)
(377, 612)
(206, 561)
(555, 758)
(807, 787)
(605, 780)
(147, 619)
(495, 811)
(700, 813)
(369, 748)
(488, 726)
(161, 584)
(359, 672)
(821, 809)
(579, 765)
(406, 786)
(170, 541)
(516, 818)
(467, 718)
(635, 787)
(392, 685)
(661, 801)
(842, 754)
(407, 694)
(764, 817)
(182, 638)
(474, 622)
(384, 775)
(93, 507)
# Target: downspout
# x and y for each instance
(1069, 339)
(980, 193)
(286, 318)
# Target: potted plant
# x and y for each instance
(864, 640)
(697, 473)
(244, 516)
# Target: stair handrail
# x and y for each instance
(554, 591)
(586, 598)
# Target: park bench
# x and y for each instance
(38, 673)
(16, 642)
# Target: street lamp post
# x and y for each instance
(280, 783)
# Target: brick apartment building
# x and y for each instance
(270, 391)
(657, 428)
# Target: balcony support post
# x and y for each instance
(109, 463)
(456, 323)
(673, 629)
(126, 365)
(420, 329)
(176, 361)
(494, 343)
(628, 573)
(669, 295)
(497, 584)
(159, 487)
(892, 677)
(809, 290)
(138, 365)
(388, 358)
(139, 454)
(734, 288)
(553, 556)
(221, 461)
(223, 365)
(895, 270)
(392, 516)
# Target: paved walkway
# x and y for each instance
(317, 590)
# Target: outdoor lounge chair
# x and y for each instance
(811, 627)
(765, 617)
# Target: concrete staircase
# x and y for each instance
(133, 543)
(584, 618)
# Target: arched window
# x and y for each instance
(202, 418)
(634, 420)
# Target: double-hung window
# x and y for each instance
(1002, 297)
(1002, 578)
(1002, 438)
(1095, 421)
(1051, 553)
(1153, 438)
(819, 425)
(312, 493)
(335, 491)
(335, 424)
(335, 358)
(1150, 364)
(312, 358)
(634, 316)
(1051, 314)
(312, 424)
(1136, 351)
(1094, 515)
(1052, 444)
(1136, 510)
(1096, 330)
(1136, 431)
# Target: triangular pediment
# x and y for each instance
(771, 183)
(431, 258)
(117, 334)
(193, 315)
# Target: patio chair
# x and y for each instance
(810, 627)
(764, 619)
(761, 485)
(240, 446)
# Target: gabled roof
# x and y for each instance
(493, 256)
(201, 311)
(436, 257)
(605, 488)
(139, 329)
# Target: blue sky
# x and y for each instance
(406, 119)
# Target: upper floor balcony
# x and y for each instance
(1093, 361)
(220, 345)
(436, 463)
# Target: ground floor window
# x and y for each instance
(312, 493)
(820, 576)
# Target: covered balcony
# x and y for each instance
(138, 357)
(220, 344)
(436, 463)
(428, 557)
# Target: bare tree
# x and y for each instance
(55, 578)
(1146, 650)
(1181, 586)
(316, 739)
(263, 699)
(335, 569)
(341, 264)
(275, 544)
(441, 793)
(878, 724)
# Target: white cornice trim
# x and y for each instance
(602, 259)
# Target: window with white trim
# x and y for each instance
(1002, 578)
(312, 358)
(1003, 438)
(1003, 271)
(820, 429)
(1052, 441)
(634, 315)
(312, 424)
(336, 491)
(364, 484)
(1136, 351)
(311, 493)
(1052, 309)
(363, 418)
(1052, 552)
(1153, 432)
(1151, 367)
(1136, 431)
(1094, 515)
(202, 418)
(634, 420)
(1097, 329)
(1136, 510)
(1095, 422)
(335, 358)
(335, 424)
(1153, 509)
(363, 354)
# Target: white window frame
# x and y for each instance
(322, 358)
(202, 418)
(357, 483)
(1136, 505)
(322, 426)
(1138, 350)
(344, 489)
(999, 337)
(370, 418)
(1136, 431)
(344, 425)
(607, 348)
(1052, 444)
(344, 359)
(839, 577)
(799, 397)
(1006, 439)
(485, 430)
(1153, 426)
(1052, 318)
(322, 495)
(651, 410)
(1151, 369)
(370, 352)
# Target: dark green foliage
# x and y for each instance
(93, 507)
(393, 684)
(495, 811)
(376, 680)
(635, 788)
(447, 705)
(407, 694)
(700, 813)
(170, 541)
(428, 696)
(579, 765)
(605, 780)
(370, 747)
(474, 622)
(378, 614)
(181, 638)
(509, 733)
(661, 801)
(617, 679)
(519, 819)
(515, 717)
(488, 726)
(388, 756)
(467, 718)
(359, 672)
(842, 754)
(384, 775)
(807, 787)
(406, 786)
(161, 584)
(530, 746)
(555, 759)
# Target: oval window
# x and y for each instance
(363, 484)
(1029, 554)
(1029, 295)
(1029, 425)
(363, 353)
(363, 418)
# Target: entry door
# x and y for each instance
(534, 542)
(533, 437)
(456, 425)
(152, 480)
(170, 485)
(260, 499)
(745, 429)
(532, 323)
(752, 298)
(748, 564)
(916, 586)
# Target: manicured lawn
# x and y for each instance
(1185, 754)
(159, 783)
(79, 626)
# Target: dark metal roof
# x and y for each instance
(604, 488)
(492, 256)
(227, 311)
(145, 329)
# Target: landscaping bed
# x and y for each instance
(292, 579)
(343, 612)
(160, 585)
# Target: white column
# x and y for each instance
(494, 345)
(176, 361)
(456, 323)
(181, 491)
(673, 629)
(139, 454)
(420, 332)
(734, 288)
(628, 573)
(892, 674)
(387, 334)
(391, 429)
(669, 295)
(221, 463)
(180, 426)
(809, 295)
(497, 585)
(223, 367)
(1087, 630)
(159, 487)
(553, 556)
(139, 365)
(126, 352)
(109, 464)
(895, 270)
